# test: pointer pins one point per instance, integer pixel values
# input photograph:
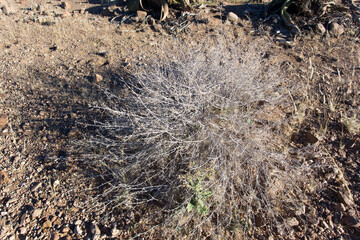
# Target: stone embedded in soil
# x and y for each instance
(4, 178)
(232, 17)
(98, 78)
(141, 15)
(320, 29)
(65, 5)
(336, 29)
(3, 121)
(36, 213)
(292, 222)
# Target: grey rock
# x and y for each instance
(36, 213)
(141, 15)
(336, 29)
(232, 17)
(320, 29)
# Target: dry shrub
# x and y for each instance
(185, 136)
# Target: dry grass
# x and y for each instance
(187, 138)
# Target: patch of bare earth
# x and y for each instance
(56, 59)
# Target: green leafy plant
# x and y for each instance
(282, 6)
(163, 5)
(311, 9)
(199, 198)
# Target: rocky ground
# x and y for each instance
(55, 58)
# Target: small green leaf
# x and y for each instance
(190, 207)
(201, 203)
(208, 194)
(201, 207)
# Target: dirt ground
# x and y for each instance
(54, 57)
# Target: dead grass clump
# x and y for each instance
(186, 138)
